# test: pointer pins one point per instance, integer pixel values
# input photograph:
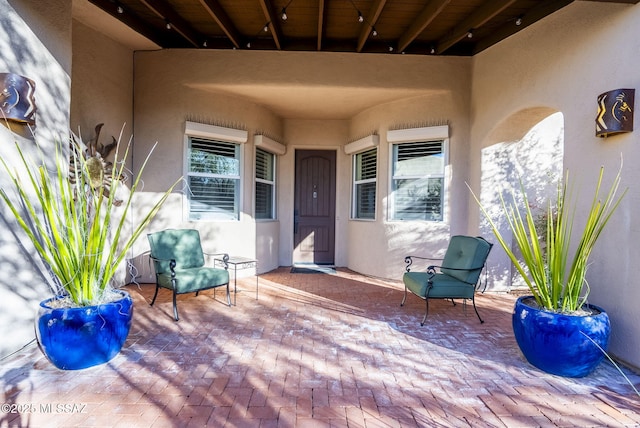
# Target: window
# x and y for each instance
(364, 184)
(265, 184)
(418, 181)
(214, 179)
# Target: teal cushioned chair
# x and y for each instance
(456, 278)
(178, 261)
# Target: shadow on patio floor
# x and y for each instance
(314, 350)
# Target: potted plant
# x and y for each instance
(556, 328)
(76, 223)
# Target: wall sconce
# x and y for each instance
(615, 112)
(17, 100)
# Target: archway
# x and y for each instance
(535, 159)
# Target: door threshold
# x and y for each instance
(313, 268)
(311, 265)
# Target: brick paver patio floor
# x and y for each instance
(315, 350)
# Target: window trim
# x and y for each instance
(215, 134)
(354, 184)
(274, 209)
(414, 133)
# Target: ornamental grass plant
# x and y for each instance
(553, 266)
(74, 219)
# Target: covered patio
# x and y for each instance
(314, 350)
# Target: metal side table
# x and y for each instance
(238, 263)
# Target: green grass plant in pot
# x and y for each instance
(78, 227)
(556, 328)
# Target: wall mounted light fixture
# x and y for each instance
(17, 99)
(615, 112)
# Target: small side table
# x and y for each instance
(238, 263)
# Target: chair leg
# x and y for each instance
(404, 298)
(228, 295)
(175, 307)
(155, 295)
(476, 309)
(426, 311)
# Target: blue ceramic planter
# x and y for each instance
(554, 343)
(77, 338)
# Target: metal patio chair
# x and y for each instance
(179, 264)
(457, 276)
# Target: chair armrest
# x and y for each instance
(172, 264)
(157, 259)
(409, 261)
(225, 258)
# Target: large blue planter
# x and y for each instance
(555, 343)
(77, 338)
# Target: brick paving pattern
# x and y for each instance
(315, 350)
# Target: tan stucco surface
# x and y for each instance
(35, 42)
(308, 101)
(563, 63)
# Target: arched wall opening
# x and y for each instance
(527, 148)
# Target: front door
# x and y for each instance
(314, 207)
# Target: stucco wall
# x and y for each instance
(102, 92)
(378, 248)
(102, 85)
(182, 92)
(563, 63)
(35, 41)
(405, 91)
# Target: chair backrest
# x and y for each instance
(466, 252)
(182, 245)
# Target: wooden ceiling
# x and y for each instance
(427, 27)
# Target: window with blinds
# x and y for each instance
(417, 181)
(365, 167)
(214, 180)
(265, 185)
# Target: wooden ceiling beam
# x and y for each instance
(132, 21)
(615, 1)
(182, 27)
(222, 19)
(483, 14)
(272, 22)
(545, 8)
(369, 22)
(428, 14)
(321, 16)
